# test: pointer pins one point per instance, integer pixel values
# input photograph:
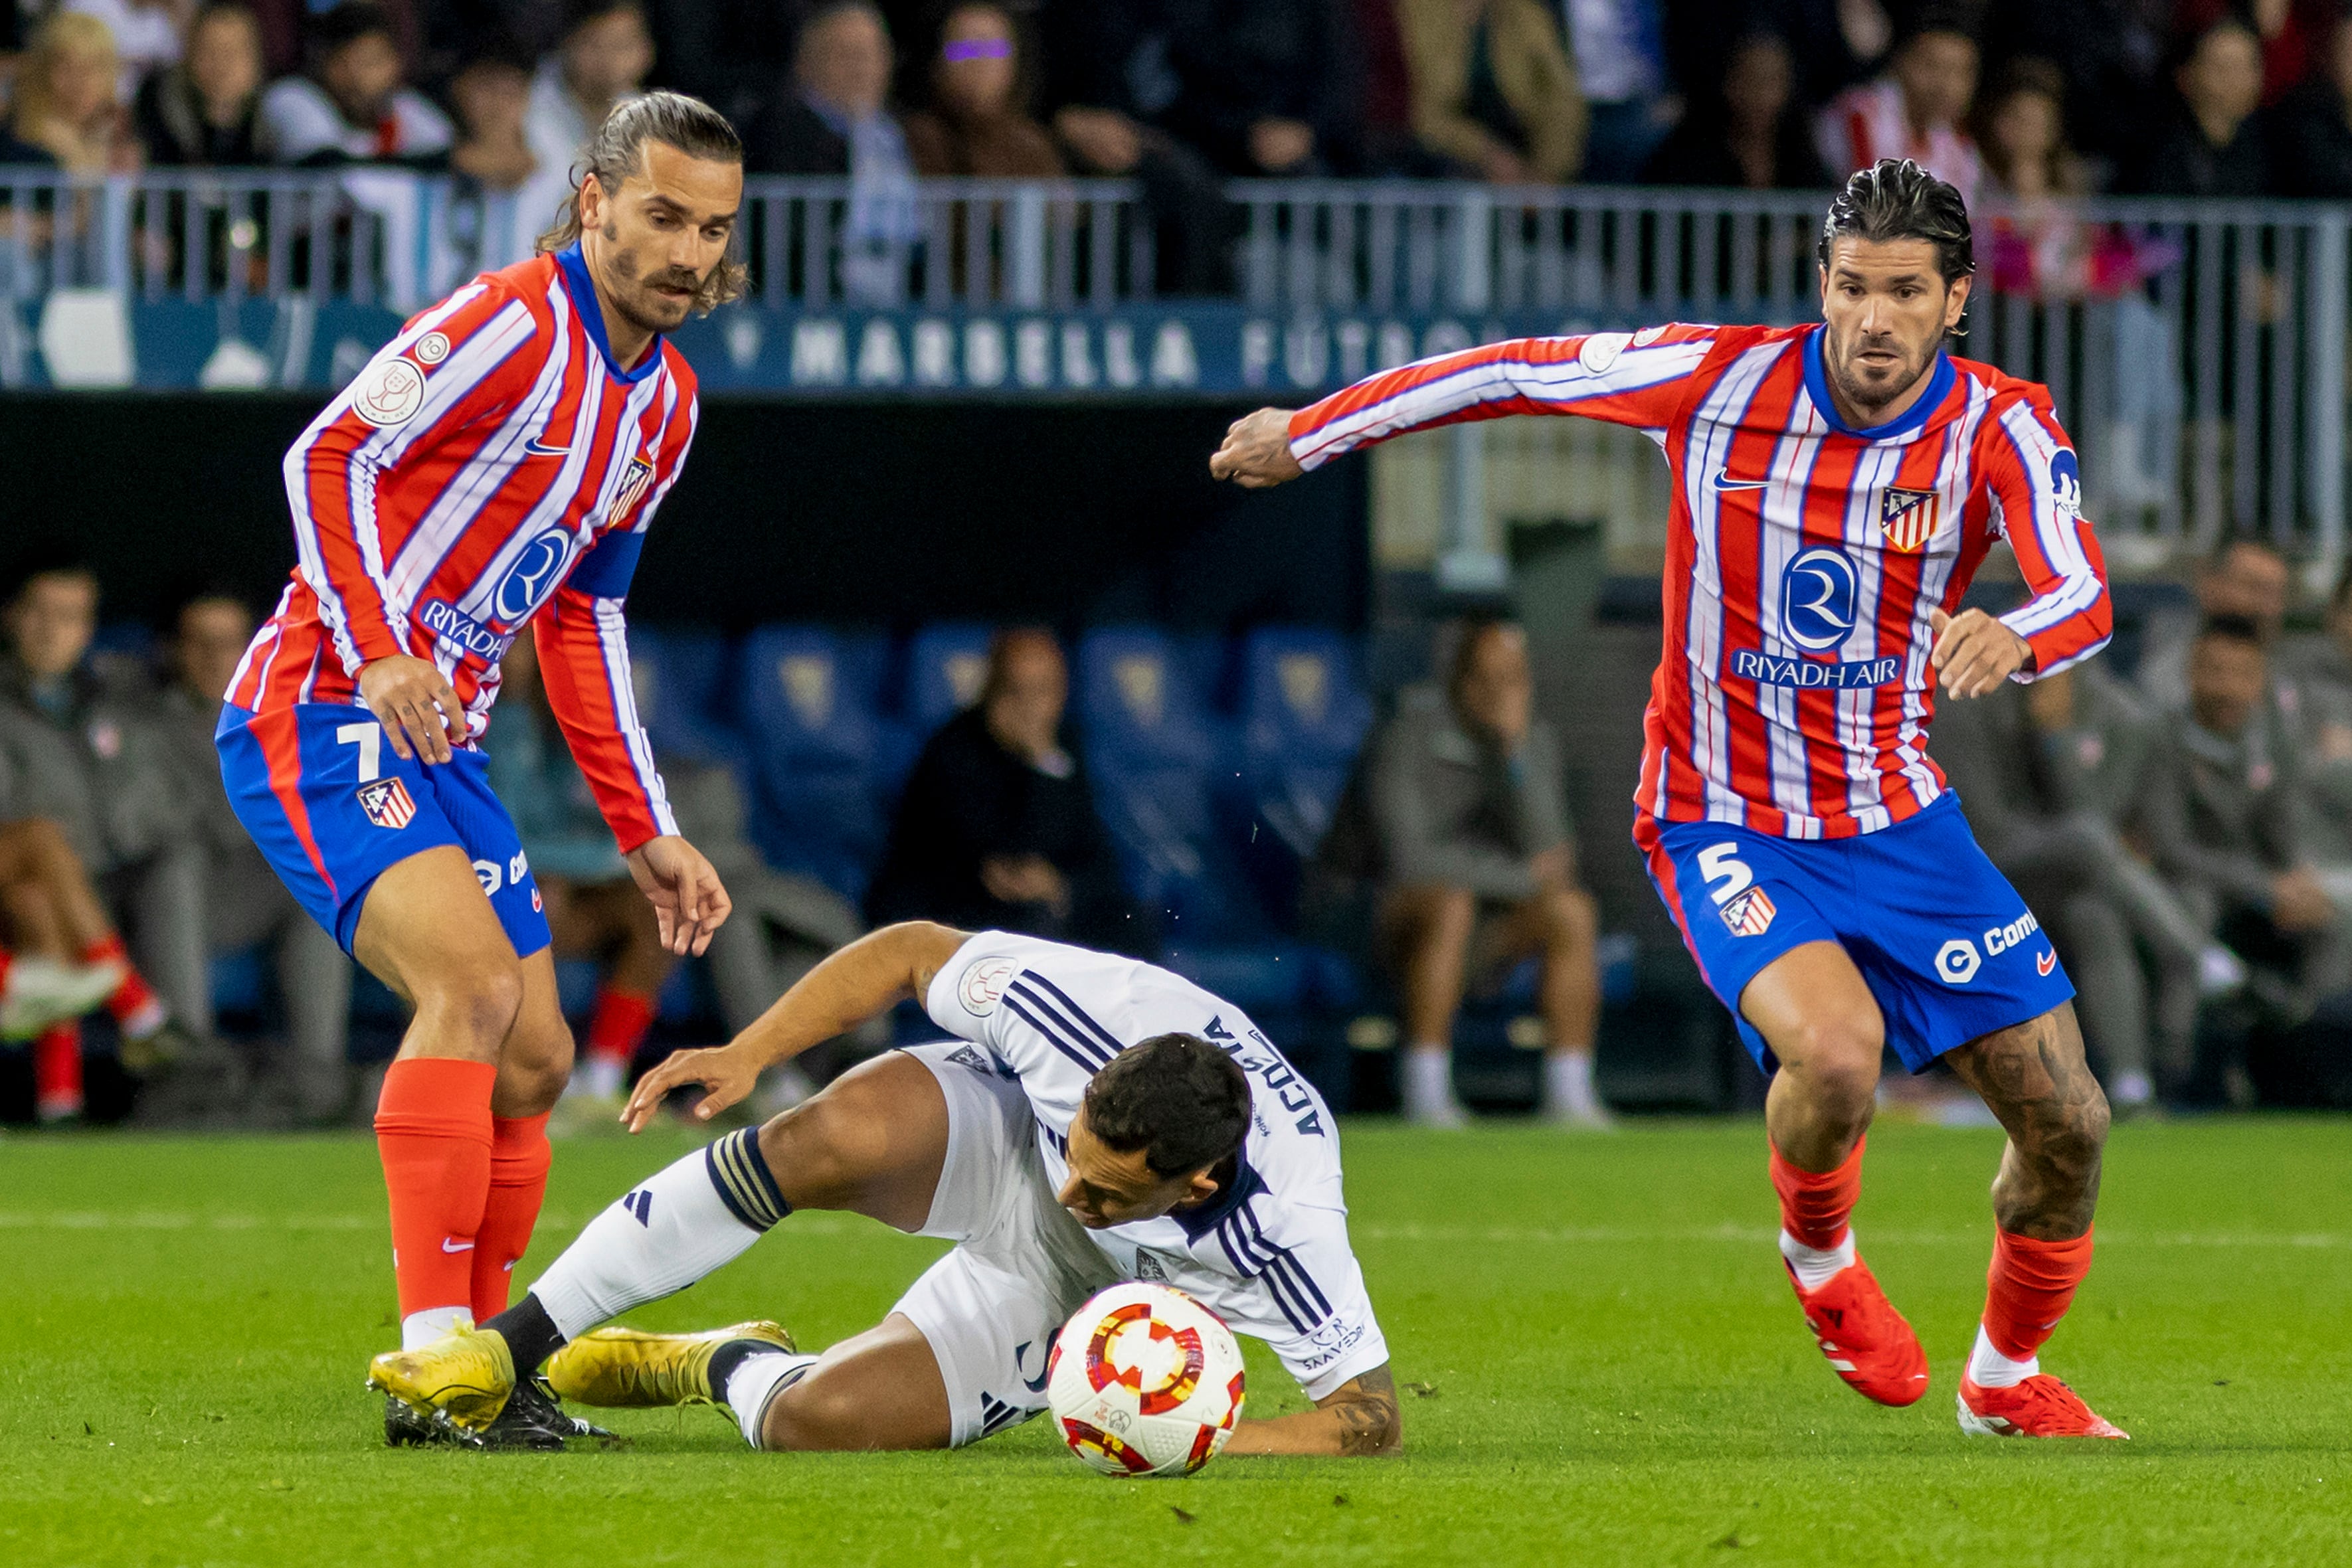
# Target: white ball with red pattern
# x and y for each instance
(1145, 1381)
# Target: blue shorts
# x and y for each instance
(1943, 941)
(333, 807)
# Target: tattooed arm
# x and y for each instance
(1357, 1419)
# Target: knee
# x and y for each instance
(813, 1414)
(808, 1152)
(1572, 921)
(1439, 916)
(1837, 1059)
(536, 1063)
(476, 1002)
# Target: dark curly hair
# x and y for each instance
(1896, 199)
(1178, 1099)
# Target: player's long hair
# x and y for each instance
(1895, 198)
(618, 150)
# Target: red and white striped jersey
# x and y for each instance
(490, 463)
(1802, 557)
(1869, 122)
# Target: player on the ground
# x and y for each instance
(497, 464)
(1106, 1120)
(1835, 486)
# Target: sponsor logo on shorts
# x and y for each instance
(1907, 517)
(1750, 914)
(2045, 961)
(389, 393)
(387, 802)
(444, 620)
(518, 868)
(1956, 961)
(983, 984)
(2001, 938)
(491, 875)
(964, 1056)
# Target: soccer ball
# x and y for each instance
(1145, 1381)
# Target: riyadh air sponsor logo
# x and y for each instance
(446, 620)
(1818, 590)
(387, 803)
(1811, 675)
(1956, 961)
(532, 576)
(1750, 914)
(1907, 517)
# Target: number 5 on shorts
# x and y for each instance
(369, 738)
(1721, 864)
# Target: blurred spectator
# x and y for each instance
(285, 28)
(2055, 778)
(1621, 64)
(1388, 146)
(604, 56)
(50, 916)
(83, 750)
(834, 120)
(1750, 137)
(2111, 53)
(998, 826)
(1919, 110)
(206, 110)
(1494, 89)
(492, 94)
(1833, 43)
(1265, 87)
(733, 53)
(2214, 145)
(2243, 577)
(66, 108)
(2041, 247)
(593, 907)
(2323, 678)
(147, 35)
(2311, 131)
(2293, 35)
(245, 905)
(2231, 833)
(2022, 135)
(1457, 823)
(979, 121)
(353, 107)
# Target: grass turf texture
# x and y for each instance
(1616, 1372)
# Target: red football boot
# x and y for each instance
(2040, 1406)
(1865, 1339)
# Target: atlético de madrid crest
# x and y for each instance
(1907, 517)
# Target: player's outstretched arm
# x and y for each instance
(689, 902)
(1256, 451)
(861, 981)
(1359, 1419)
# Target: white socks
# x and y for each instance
(1429, 1087)
(750, 1383)
(2131, 1088)
(671, 1230)
(1813, 1266)
(601, 1077)
(1988, 1368)
(434, 1322)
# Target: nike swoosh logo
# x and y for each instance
(2047, 962)
(1723, 481)
(461, 1247)
(538, 448)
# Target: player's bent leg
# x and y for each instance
(874, 1142)
(1816, 1012)
(535, 1058)
(2033, 1077)
(879, 1390)
(532, 1069)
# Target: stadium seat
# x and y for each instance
(1139, 706)
(1302, 700)
(946, 665)
(678, 674)
(825, 759)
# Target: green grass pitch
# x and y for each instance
(1615, 1372)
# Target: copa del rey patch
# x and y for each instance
(387, 803)
(1907, 517)
(1750, 914)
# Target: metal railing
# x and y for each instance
(2195, 350)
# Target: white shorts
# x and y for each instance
(1022, 1264)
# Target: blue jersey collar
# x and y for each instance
(1817, 387)
(590, 312)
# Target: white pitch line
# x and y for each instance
(1488, 1235)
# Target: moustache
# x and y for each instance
(673, 277)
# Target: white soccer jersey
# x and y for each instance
(1269, 1255)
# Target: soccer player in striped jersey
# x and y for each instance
(1091, 1119)
(1835, 487)
(495, 467)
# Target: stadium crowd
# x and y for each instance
(2033, 101)
(2182, 825)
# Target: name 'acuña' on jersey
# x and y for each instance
(1270, 1252)
(489, 467)
(1803, 556)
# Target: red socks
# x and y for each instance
(138, 1010)
(619, 1025)
(433, 1133)
(1814, 1206)
(57, 1072)
(519, 1156)
(2028, 1288)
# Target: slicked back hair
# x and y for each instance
(1176, 1097)
(618, 150)
(1895, 199)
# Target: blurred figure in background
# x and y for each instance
(1494, 89)
(1919, 110)
(2243, 577)
(245, 903)
(1458, 818)
(2321, 677)
(206, 110)
(354, 106)
(83, 751)
(834, 118)
(997, 828)
(68, 107)
(1265, 89)
(148, 35)
(2311, 134)
(979, 121)
(1621, 64)
(492, 94)
(1753, 136)
(607, 51)
(49, 918)
(2215, 144)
